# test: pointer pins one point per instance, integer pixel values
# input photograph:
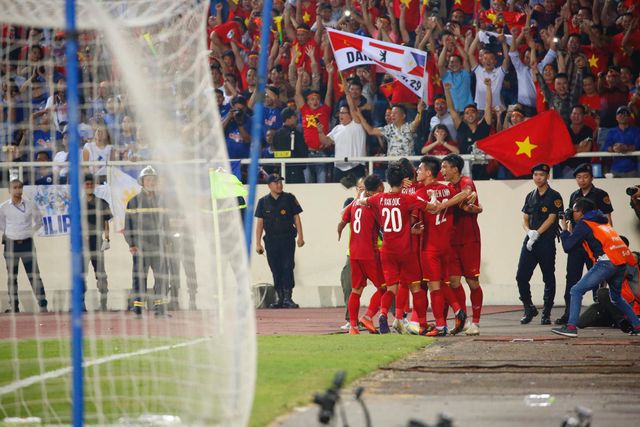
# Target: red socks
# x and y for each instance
(450, 297)
(461, 297)
(374, 303)
(437, 306)
(354, 309)
(476, 304)
(420, 304)
(386, 301)
(402, 298)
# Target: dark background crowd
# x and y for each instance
(580, 57)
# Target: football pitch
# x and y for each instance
(290, 370)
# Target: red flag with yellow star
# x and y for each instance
(467, 6)
(500, 19)
(412, 15)
(542, 139)
(598, 59)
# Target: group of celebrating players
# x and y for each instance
(430, 240)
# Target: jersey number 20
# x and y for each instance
(392, 220)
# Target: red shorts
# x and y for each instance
(465, 260)
(435, 265)
(361, 270)
(400, 268)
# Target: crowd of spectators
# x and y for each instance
(491, 64)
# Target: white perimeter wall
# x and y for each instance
(320, 261)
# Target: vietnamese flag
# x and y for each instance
(511, 19)
(467, 6)
(412, 14)
(541, 139)
(598, 59)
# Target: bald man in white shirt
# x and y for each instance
(19, 220)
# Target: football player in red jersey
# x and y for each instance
(436, 244)
(363, 255)
(394, 212)
(465, 244)
(409, 186)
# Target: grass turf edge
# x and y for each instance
(292, 368)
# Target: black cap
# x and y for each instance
(274, 177)
(88, 177)
(583, 167)
(541, 167)
(239, 99)
(287, 113)
(623, 110)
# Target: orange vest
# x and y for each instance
(612, 244)
(629, 297)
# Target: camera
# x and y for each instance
(327, 400)
(631, 190)
(238, 115)
(567, 214)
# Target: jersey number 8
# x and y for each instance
(356, 221)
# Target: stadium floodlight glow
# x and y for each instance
(145, 82)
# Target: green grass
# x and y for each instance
(290, 370)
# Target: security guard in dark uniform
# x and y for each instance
(288, 142)
(541, 210)
(577, 258)
(278, 215)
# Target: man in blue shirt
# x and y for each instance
(623, 139)
(237, 132)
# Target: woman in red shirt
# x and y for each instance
(440, 143)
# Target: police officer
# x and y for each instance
(577, 258)
(278, 215)
(541, 210)
(144, 232)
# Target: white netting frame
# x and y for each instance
(173, 58)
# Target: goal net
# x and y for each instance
(169, 328)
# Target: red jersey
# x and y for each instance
(465, 224)
(363, 243)
(394, 212)
(416, 214)
(310, 119)
(437, 227)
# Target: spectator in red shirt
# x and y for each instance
(314, 115)
(440, 142)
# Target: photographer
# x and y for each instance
(609, 254)
(237, 129)
(578, 258)
(634, 193)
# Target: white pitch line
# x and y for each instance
(26, 382)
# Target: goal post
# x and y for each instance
(168, 335)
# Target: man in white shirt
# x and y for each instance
(526, 85)
(488, 70)
(19, 220)
(350, 140)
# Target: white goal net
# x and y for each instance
(169, 328)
